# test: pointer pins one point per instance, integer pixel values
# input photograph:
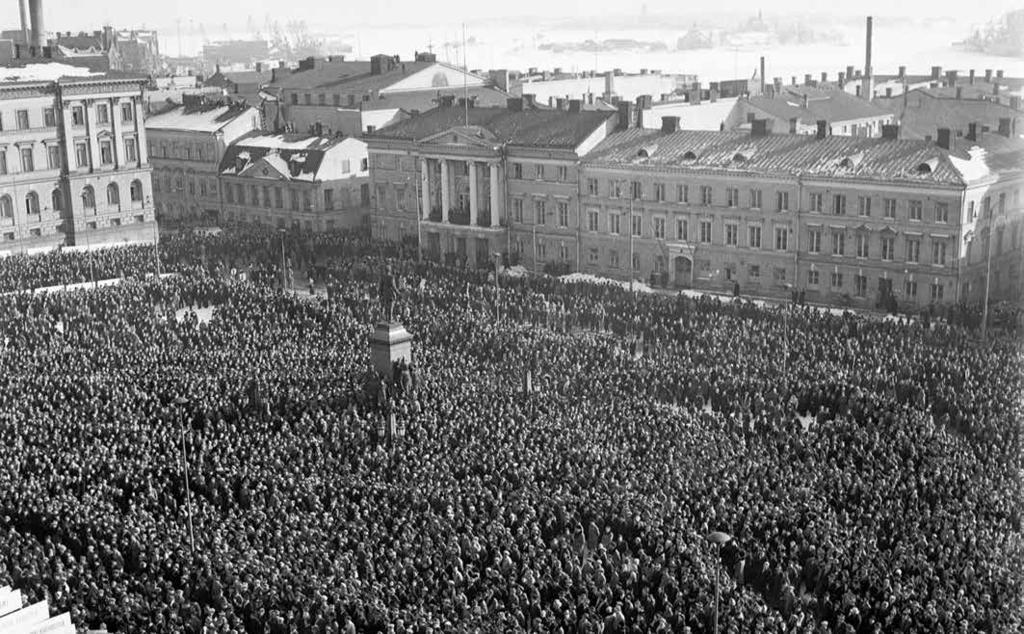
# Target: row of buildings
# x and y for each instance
(847, 219)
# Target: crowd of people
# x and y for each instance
(565, 451)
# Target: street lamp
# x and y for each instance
(284, 284)
(181, 402)
(719, 539)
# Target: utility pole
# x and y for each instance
(988, 277)
(630, 229)
(284, 278)
(181, 402)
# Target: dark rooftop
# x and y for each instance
(831, 105)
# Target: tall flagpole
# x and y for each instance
(465, 75)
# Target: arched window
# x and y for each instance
(58, 200)
(88, 197)
(136, 191)
(6, 207)
(32, 203)
(113, 194)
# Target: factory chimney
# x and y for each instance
(762, 71)
(35, 10)
(867, 90)
(26, 28)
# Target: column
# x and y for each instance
(68, 141)
(118, 130)
(472, 193)
(445, 193)
(141, 141)
(495, 216)
(90, 130)
(424, 189)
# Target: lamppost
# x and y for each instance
(181, 402)
(988, 277)
(719, 539)
(284, 278)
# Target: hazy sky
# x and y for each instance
(70, 15)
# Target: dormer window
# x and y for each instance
(739, 157)
(928, 166)
(647, 150)
(689, 156)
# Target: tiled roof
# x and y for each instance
(834, 106)
(542, 128)
(924, 113)
(424, 100)
(786, 154)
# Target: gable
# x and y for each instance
(472, 137)
(433, 77)
(270, 167)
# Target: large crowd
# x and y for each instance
(556, 465)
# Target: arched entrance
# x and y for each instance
(682, 271)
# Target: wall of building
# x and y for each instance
(432, 77)
(333, 120)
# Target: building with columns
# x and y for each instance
(73, 156)
(472, 182)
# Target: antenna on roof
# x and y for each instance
(465, 75)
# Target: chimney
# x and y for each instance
(959, 92)
(842, 78)
(999, 74)
(515, 104)
(609, 85)
(822, 129)
(988, 74)
(824, 77)
(1015, 102)
(259, 67)
(972, 131)
(803, 101)
(762, 72)
(888, 93)
(792, 125)
(35, 10)
(777, 83)
(793, 80)
(995, 88)
(890, 131)
(936, 72)
(1004, 126)
(903, 72)
(867, 90)
(849, 72)
(560, 104)
(759, 128)
(807, 79)
(944, 138)
(669, 125)
(625, 115)
(26, 27)
(951, 77)
(575, 105)
(972, 77)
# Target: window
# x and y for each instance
(346, 166)
(329, 199)
(57, 198)
(939, 253)
(593, 255)
(781, 238)
(890, 208)
(538, 171)
(860, 285)
(659, 192)
(910, 288)
(914, 210)
(593, 220)
(817, 202)
(563, 214)
(972, 211)
(22, 118)
(539, 212)
(307, 201)
(294, 98)
(1002, 202)
(659, 228)
(755, 198)
(592, 186)
(636, 190)
(839, 205)
(705, 231)
(307, 99)
(127, 112)
(53, 160)
(563, 252)
(293, 195)
(3, 161)
(779, 274)
(732, 196)
(6, 208)
(936, 291)
(731, 233)
(913, 250)
(754, 272)
(563, 173)
(837, 279)
(862, 245)
(49, 118)
(77, 115)
(229, 193)
(754, 237)
(542, 250)
(27, 162)
(705, 195)
(838, 243)
(782, 201)
(635, 263)
(864, 206)
(683, 194)
(812, 278)
(637, 225)
(106, 152)
(32, 203)
(135, 191)
(942, 212)
(615, 189)
(681, 229)
(364, 165)
(517, 170)
(613, 258)
(321, 99)
(517, 210)
(131, 155)
(814, 241)
(240, 193)
(888, 249)
(615, 223)
(102, 113)
(266, 196)
(113, 194)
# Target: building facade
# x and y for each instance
(296, 181)
(73, 163)
(187, 144)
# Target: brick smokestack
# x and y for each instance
(868, 82)
(35, 10)
(26, 27)
(762, 71)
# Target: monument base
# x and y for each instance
(389, 342)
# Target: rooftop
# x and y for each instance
(291, 156)
(831, 105)
(835, 156)
(209, 118)
(424, 100)
(36, 72)
(921, 113)
(543, 128)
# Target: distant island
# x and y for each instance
(1003, 36)
(612, 45)
(756, 32)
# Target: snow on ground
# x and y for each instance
(204, 315)
(594, 279)
(515, 271)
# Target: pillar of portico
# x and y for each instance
(472, 193)
(424, 189)
(445, 193)
(495, 216)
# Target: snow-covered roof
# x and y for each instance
(44, 72)
(205, 120)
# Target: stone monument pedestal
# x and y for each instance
(389, 342)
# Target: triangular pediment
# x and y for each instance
(472, 136)
(270, 167)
